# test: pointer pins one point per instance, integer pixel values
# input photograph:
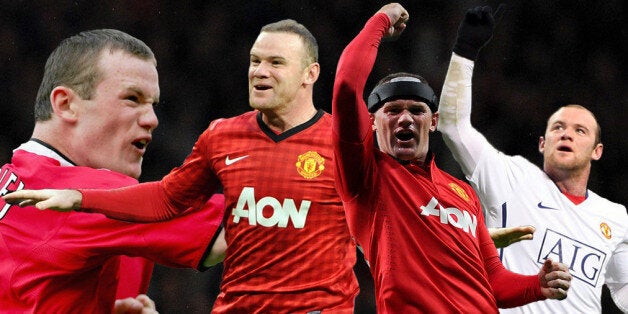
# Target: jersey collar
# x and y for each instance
(42, 148)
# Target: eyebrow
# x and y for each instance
(142, 94)
(577, 125)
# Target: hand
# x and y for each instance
(59, 200)
(503, 237)
(398, 17)
(555, 280)
(475, 30)
(141, 304)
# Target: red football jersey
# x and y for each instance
(285, 225)
(69, 262)
(289, 248)
(422, 230)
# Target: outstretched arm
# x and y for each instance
(512, 289)
(503, 237)
(189, 185)
(465, 142)
(352, 125)
(148, 200)
(59, 200)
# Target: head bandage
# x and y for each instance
(402, 88)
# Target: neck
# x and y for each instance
(569, 181)
(51, 135)
(283, 120)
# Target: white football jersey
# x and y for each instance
(591, 238)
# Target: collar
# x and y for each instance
(42, 148)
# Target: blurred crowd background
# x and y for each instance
(543, 54)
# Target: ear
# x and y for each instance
(63, 101)
(311, 73)
(541, 144)
(372, 116)
(596, 154)
(434, 122)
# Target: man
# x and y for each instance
(574, 225)
(421, 229)
(94, 118)
(289, 248)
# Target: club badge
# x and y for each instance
(310, 165)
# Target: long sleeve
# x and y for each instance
(351, 121)
(510, 289)
(454, 122)
(617, 276)
(145, 202)
(189, 185)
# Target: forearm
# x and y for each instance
(510, 289)
(454, 122)
(351, 118)
(146, 202)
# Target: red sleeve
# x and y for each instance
(134, 274)
(145, 202)
(189, 185)
(352, 132)
(510, 289)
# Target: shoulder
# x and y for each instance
(234, 123)
(614, 209)
(37, 171)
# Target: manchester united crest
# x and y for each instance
(460, 191)
(310, 165)
(606, 230)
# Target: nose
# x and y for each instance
(405, 118)
(566, 135)
(148, 119)
(260, 70)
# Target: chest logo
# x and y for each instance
(606, 230)
(460, 191)
(229, 161)
(310, 165)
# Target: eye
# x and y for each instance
(417, 110)
(133, 98)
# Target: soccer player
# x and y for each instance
(94, 117)
(421, 229)
(289, 248)
(574, 225)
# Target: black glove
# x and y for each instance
(474, 32)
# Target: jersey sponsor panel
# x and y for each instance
(584, 261)
(269, 211)
(458, 218)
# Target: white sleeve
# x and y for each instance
(454, 120)
(617, 276)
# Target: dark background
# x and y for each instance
(544, 54)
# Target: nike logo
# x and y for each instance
(234, 160)
(546, 207)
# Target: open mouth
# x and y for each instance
(404, 135)
(140, 144)
(564, 149)
(262, 87)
